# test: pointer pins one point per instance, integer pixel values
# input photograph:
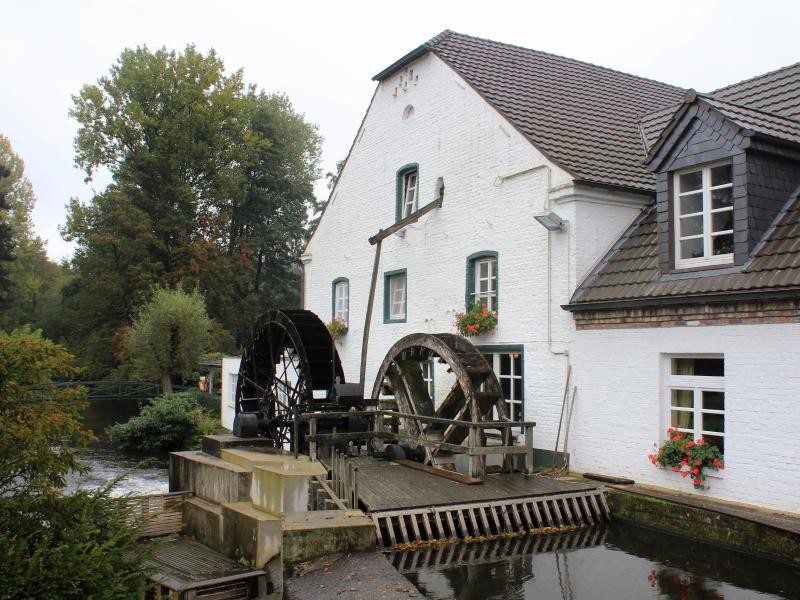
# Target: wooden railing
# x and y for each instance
(473, 447)
(157, 514)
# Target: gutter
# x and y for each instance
(692, 299)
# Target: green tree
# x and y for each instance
(169, 335)
(39, 423)
(212, 184)
(6, 240)
(35, 280)
(54, 546)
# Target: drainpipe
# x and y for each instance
(301, 261)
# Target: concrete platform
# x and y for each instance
(209, 477)
(359, 576)
(215, 444)
(309, 535)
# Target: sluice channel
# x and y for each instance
(618, 561)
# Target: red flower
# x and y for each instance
(700, 442)
(678, 437)
(685, 462)
(676, 469)
(697, 463)
(689, 444)
(697, 482)
(684, 473)
(695, 471)
(671, 430)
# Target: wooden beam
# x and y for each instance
(451, 475)
(412, 218)
(368, 319)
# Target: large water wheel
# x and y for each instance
(472, 394)
(290, 365)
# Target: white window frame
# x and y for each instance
(697, 384)
(397, 296)
(489, 296)
(494, 361)
(342, 302)
(708, 258)
(410, 187)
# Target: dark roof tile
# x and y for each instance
(583, 117)
(774, 266)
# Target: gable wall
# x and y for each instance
(495, 181)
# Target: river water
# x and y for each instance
(616, 562)
(140, 474)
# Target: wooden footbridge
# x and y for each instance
(409, 505)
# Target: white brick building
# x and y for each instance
(513, 133)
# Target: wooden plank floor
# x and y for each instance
(383, 485)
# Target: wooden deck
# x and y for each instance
(386, 486)
(184, 568)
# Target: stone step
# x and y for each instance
(209, 477)
(309, 535)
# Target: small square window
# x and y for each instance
(409, 205)
(341, 301)
(394, 301)
(695, 398)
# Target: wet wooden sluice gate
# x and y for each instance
(407, 505)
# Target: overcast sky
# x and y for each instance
(324, 54)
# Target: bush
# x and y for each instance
(62, 547)
(170, 423)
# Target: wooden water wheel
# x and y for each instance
(290, 365)
(472, 393)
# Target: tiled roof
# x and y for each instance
(759, 121)
(631, 271)
(776, 92)
(584, 117)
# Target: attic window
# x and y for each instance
(704, 216)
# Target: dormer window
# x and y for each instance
(704, 216)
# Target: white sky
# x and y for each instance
(324, 54)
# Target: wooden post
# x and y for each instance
(362, 375)
(529, 450)
(355, 488)
(312, 443)
(474, 459)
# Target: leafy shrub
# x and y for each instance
(170, 423)
(63, 547)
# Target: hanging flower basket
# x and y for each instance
(684, 455)
(337, 328)
(476, 320)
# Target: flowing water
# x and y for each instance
(617, 562)
(141, 474)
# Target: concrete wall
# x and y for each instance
(619, 411)
(495, 181)
(230, 370)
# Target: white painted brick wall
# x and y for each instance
(619, 411)
(454, 134)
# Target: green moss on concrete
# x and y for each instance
(706, 525)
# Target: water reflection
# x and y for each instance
(617, 562)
